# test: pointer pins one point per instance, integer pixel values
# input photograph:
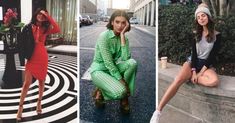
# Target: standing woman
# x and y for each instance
(37, 59)
(113, 71)
(198, 66)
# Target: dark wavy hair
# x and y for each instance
(211, 29)
(45, 24)
(114, 15)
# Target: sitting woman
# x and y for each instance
(198, 66)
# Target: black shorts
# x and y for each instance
(199, 63)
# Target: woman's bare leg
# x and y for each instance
(209, 78)
(184, 74)
(40, 94)
(27, 82)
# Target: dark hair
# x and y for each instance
(211, 29)
(45, 24)
(114, 15)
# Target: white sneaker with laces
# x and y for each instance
(155, 117)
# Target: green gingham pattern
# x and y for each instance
(110, 87)
(108, 52)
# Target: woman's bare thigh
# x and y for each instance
(185, 73)
(209, 78)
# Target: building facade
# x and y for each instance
(88, 6)
(144, 11)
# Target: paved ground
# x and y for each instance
(143, 102)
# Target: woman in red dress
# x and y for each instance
(42, 25)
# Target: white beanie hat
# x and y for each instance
(202, 9)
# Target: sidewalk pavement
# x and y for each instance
(147, 29)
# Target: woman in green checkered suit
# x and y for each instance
(113, 70)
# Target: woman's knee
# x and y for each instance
(94, 75)
(212, 78)
(214, 82)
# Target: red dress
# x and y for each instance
(38, 63)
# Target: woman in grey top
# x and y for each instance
(197, 67)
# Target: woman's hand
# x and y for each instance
(125, 28)
(44, 13)
(127, 88)
(202, 71)
(123, 41)
(199, 74)
(194, 77)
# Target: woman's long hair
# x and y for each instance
(121, 13)
(211, 30)
(45, 24)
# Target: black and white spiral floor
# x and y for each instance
(59, 103)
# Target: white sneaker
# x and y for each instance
(155, 117)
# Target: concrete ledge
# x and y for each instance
(225, 88)
(203, 104)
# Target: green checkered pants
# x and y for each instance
(110, 87)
